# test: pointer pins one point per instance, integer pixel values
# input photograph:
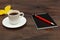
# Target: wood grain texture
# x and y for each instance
(28, 31)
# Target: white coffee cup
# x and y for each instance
(15, 16)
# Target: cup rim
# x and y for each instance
(13, 11)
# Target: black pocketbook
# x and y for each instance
(41, 24)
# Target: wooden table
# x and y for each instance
(28, 31)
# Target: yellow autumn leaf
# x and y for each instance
(6, 10)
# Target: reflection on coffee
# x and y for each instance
(13, 13)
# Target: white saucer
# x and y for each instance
(6, 23)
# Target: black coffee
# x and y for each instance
(13, 13)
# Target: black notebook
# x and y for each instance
(41, 24)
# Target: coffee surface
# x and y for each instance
(13, 13)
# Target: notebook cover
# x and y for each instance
(41, 24)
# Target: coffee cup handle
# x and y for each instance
(21, 14)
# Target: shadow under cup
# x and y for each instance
(14, 17)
